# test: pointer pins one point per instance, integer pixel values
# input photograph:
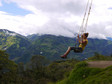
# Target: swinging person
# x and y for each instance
(82, 45)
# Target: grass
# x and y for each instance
(81, 74)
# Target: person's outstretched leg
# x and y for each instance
(66, 53)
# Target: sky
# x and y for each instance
(56, 17)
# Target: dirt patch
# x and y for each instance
(99, 64)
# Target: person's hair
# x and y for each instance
(86, 34)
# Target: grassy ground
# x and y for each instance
(82, 74)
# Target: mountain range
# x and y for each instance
(22, 48)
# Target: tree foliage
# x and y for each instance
(40, 71)
(98, 57)
(8, 69)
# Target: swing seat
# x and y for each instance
(78, 50)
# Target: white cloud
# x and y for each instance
(60, 17)
(57, 6)
(22, 24)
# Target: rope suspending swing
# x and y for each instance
(83, 26)
(86, 17)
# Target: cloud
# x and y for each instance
(22, 24)
(57, 6)
(59, 17)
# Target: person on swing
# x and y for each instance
(82, 45)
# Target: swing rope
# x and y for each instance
(83, 27)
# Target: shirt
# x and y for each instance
(83, 45)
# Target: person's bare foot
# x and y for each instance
(63, 56)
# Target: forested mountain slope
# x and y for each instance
(21, 48)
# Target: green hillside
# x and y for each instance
(21, 48)
(39, 71)
(13, 43)
(54, 46)
(82, 74)
(50, 46)
(36, 71)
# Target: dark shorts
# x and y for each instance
(77, 49)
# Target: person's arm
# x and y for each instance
(79, 39)
(82, 40)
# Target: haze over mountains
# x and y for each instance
(22, 48)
